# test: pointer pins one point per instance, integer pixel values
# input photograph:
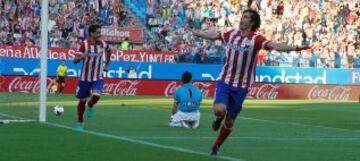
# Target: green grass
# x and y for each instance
(135, 128)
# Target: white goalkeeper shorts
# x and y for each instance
(185, 119)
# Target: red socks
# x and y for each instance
(81, 107)
(94, 99)
(81, 110)
(223, 134)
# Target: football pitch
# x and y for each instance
(134, 128)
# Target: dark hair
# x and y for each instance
(93, 28)
(255, 19)
(186, 77)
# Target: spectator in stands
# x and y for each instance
(281, 59)
(132, 72)
(125, 44)
(262, 58)
(314, 59)
(280, 9)
(338, 61)
(78, 14)
(302, 23)
(333, 24)
(357, 61)
(298, 61)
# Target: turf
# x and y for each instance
(135, 128)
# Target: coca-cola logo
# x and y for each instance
(265, 91)
(204, 87)
(122, 88)
(335, 93)
(170, 88)
(28, 85)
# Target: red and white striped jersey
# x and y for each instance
(92, 68)
(241, 57)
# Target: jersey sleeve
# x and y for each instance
(225, 36)
(176, 95)
(262, 43)
(81, 48)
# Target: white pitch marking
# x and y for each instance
(19, 119)
(123, 138)
(246, 137)
(134, 140)
(275, 122)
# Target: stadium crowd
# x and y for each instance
(69, 20)
(331, 26)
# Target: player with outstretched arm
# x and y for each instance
(238, 72)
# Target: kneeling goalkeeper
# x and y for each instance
(186, 108)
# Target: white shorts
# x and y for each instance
(185, 119)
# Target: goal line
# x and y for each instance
(12, 118)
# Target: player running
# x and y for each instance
(91, 77)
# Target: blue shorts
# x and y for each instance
(85, 88)
(231, 96)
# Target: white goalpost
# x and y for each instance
(43, 59)
(22, 105)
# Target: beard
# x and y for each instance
(243, 26)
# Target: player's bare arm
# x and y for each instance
(286, 48)
(174, 109)
(205, 35)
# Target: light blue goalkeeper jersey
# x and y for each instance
(189, 98)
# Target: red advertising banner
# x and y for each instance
(33, 52)
(132, 87)
(118, 34)
(121, 87)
